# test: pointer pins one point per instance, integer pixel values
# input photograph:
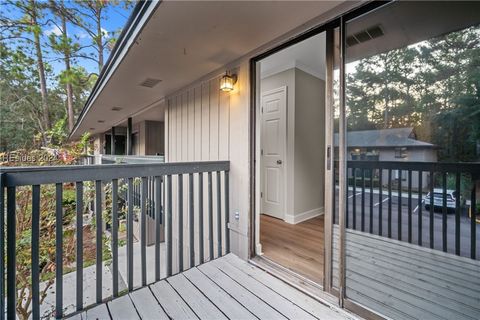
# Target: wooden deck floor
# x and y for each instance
(404, 281)
(298, 247)
(225, 288)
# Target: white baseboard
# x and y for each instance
(300, 217)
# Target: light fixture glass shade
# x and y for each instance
(226, 83)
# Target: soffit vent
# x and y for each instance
(365, 35)
(150, 82)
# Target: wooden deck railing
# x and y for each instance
(160, 189)
(388, 194)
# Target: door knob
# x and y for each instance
(279, 161)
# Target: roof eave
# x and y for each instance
(132, 29)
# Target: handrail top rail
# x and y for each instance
(470, 167)
(19, 176)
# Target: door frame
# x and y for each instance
(281, 89)
(337, 22)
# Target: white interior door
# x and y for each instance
(273, 142)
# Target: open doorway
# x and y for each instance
(291, 172)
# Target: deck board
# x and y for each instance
(99, 312)
(202, 307)
(239, 293)
(229, 306)
(276, 301)
(312, 306)
(147, 306)
(404, 281)
(122, 308)
(225, 288)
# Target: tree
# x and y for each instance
(432, 86)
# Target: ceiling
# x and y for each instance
(409, 22)
(308, 55)
(184, 41)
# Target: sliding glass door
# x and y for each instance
(409, 152)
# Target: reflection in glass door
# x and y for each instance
(412, 170)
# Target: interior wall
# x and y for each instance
(309, 168)
(304, 168)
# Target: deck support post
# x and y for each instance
(112, 142)
(129, 136)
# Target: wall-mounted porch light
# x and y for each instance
(227, 82)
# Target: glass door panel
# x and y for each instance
(412, 99)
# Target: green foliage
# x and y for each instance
(432, 86)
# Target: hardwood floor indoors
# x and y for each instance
(298, 247)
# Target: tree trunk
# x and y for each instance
(41, 68)
(99, 36)
(69, 89)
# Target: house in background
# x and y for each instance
(241, 98)
(396, 144)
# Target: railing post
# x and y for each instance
(2, 245)
(112, 142)
(143, 229)
(227, 212)
(99, 240)
(169, 226)
(191, 220)
(219, 216)
(158, 224)
(129, 136)
(35, 252)
(473, 221)
(58, 251)
(79, 244)
(115, 237)
(130, 202)
(11, 254)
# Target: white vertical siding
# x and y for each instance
(206, 124)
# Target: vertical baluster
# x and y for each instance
(35, 252)
(354, 198)
(227, 211)
(432, 182)
(380, 202)
(473, 227)
(371, 202)
(389, 203)
(180, 222)
(201, 239)
(191, 220)
(58, 251)
(444, 212)
(11, 253)
(158, 224)
(219, 216)
(169, 226)
(334, 205)
(143, 229)
(347, 209)
(79, 245)
(409, 206)
(363, 202)
(420, 202)
(99, 241)
(457, 213)
(2, 245)
(210, 216)
(131, 203)
(399, 222)
(114, 243)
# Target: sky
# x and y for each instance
(115, 19)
